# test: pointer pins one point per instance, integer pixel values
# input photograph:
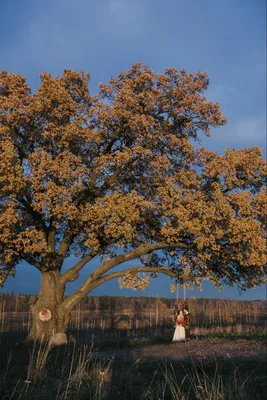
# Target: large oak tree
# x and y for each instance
(116, 177)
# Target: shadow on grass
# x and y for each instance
(79, 371)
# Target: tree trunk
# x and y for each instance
(49, 319)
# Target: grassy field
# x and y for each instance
(123, 350)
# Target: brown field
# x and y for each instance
(123, 350)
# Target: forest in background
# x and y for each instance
(119, 317)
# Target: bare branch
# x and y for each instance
(65, 243)
(88, 285)
(117, 274)
(51, 238)
(72, 273)
(139, 251)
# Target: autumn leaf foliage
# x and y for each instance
(117, 175)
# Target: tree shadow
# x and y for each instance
(132, 363)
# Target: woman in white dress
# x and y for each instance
(179, 333)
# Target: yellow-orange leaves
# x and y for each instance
(82, 174)
(134, 281)
(117, 216)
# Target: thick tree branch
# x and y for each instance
(88, 285)
(34, 214)
(51, 239)
(143, 249)
(31, 260)
(66, 242)
(117, 274)
(72, 273)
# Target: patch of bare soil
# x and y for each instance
(185, 351)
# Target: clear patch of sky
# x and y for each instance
(226, 39)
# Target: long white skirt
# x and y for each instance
(179, 334)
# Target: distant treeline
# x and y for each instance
(138, 312)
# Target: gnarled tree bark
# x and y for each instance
(50, 319)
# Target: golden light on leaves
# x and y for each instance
(134, 281)
(173, 287)
(82, 174)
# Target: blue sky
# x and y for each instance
(226, 39)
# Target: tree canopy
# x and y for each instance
(117, 175)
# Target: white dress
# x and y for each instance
(179, 334)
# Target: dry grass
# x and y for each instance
(77, 372)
